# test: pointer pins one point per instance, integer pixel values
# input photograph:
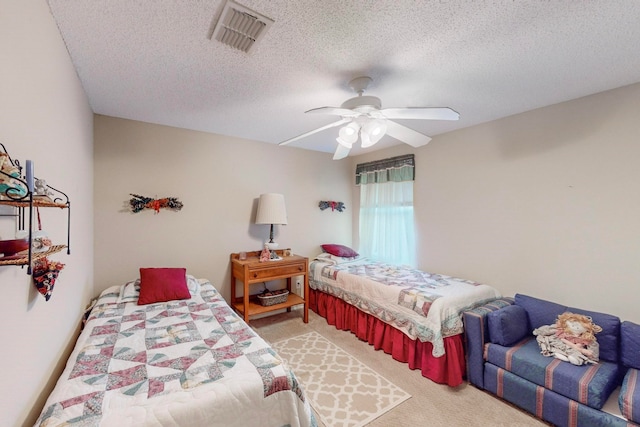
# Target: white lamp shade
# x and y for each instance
(271, 209)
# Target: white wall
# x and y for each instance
(218, 179)
(45, 117)
(544, 203)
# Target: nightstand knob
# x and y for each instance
(255, 275)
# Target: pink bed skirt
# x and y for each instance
(448, 369)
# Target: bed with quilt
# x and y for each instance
(414, 316)
(188, 361)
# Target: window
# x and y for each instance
(386, 210)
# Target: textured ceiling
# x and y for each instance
(154, 61)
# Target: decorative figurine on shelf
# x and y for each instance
(265, 255)
(41, 188)
(41, 241)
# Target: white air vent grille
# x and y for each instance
(240, 27)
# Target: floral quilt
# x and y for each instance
(191, 362)
(425, 306)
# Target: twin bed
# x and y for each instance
(189, 362)
(413, 315)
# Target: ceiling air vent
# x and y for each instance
(240, 27)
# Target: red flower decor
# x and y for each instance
(45, 273)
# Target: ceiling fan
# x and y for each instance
(364, 117)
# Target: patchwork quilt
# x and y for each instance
(423, 305)
(190, 362)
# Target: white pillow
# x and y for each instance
(129, 292)
(332, 259)
(193, 284)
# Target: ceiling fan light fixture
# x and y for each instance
(348, 134)
(372, 132)
(365, 140)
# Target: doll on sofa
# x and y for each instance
(571, 338)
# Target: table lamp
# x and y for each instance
(271, 210)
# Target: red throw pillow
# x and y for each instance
(340, 250)
(163, 284)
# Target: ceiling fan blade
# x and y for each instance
(406, 135)
(336, 111)
(341, 152)
(420, 113)
(304, 135)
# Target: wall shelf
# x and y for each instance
(24, 205)
(24, 259)
(37, 202)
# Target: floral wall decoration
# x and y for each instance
(335, 206)
(139, 203)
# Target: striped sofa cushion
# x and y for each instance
(546, 404)
(588, 384)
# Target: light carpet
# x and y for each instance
(343, 391)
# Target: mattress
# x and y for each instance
(424, 306)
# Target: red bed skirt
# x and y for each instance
(448, 369)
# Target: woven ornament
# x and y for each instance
(139, 203)
(335, 206)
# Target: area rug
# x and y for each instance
(342, 391)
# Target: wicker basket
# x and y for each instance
(275, 297)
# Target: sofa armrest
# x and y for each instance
(629, 398)
(476, 334)
(630, 344)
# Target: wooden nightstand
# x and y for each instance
(251, 270)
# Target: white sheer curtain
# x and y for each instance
(386, 214)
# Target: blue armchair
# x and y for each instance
(504, 358)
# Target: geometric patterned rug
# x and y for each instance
(343, 391)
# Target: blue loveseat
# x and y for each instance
(504, 358)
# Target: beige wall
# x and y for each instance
(45, 117)
(218, 179)
(545, 203)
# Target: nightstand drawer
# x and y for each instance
(276, 271)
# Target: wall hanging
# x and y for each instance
(338, 206)
(45, 273)
(139, 203)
